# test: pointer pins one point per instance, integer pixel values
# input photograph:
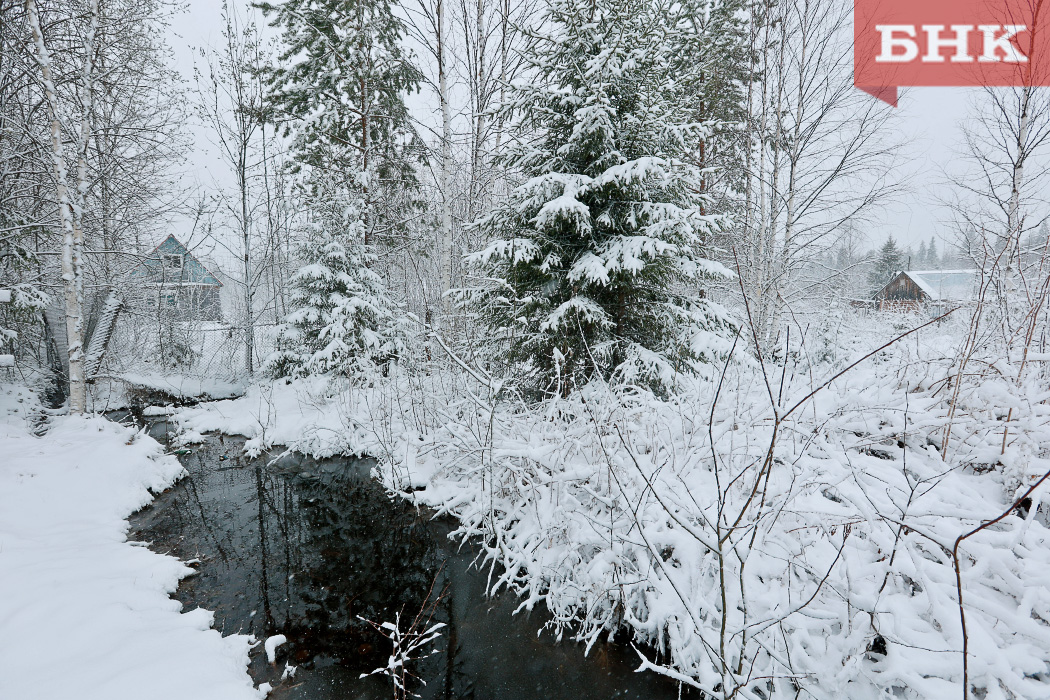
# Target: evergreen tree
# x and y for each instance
(344, 321)
(933, 261)
(923, 256)
(888, 263)
(597, 256)
(714, 64)
(339, 87)
(1040, 237)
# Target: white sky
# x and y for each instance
(929, 118)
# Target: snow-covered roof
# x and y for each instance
(945, 285)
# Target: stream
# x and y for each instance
(314, 549)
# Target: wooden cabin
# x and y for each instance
(174, 280)
(936, 290)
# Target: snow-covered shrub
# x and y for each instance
(768, 544)
(22, 313)
(176, 342)
(21, 318)
(772, 546)
(409, 645)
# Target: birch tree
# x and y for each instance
(998, 184)
(70, 204)
(819, 154)
(109, 95)
(232, 105)
(1000, 213)
(470, 52)
(428, 25)
(494, 37)
(138, 138)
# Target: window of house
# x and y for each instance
(173, 263)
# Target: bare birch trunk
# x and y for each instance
(1017, 176)
(249, 288)
(237, 53)
(87, 91)
(71, 243)
(786, 266)
(811, 138)
(477, 155)
(503, 57)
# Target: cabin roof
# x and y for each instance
(938, 285)
(945, 285)
(193, 270)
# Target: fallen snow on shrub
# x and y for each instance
(760, 541)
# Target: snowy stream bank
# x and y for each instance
(305, 548)
(760, 555)
(84, 613)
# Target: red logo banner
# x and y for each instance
(949, 43)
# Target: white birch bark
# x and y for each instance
(1017, 176)
(480, 105)
(820, 158)
(249, 282)
(87, 101)
(72, 242)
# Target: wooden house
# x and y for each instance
(174, 280)
(937, 290)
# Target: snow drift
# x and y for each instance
(83, 612)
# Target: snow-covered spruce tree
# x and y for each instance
(20, 318)
(339, 87)
(889, 262)
(344, 321)
(595, 266)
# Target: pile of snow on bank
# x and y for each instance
(83, 612)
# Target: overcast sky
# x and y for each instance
(929, 118)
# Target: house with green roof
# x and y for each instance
(174, 280)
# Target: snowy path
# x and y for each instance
(84, 613)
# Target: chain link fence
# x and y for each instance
(167, 349)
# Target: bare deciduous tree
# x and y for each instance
(70, 205)
(819, 154)
(231, 104)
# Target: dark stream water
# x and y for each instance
(306, 548)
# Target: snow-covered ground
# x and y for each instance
(114, 393)
(83, 612)
(760, 539)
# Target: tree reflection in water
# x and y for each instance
(306, 548)
(361, 556)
